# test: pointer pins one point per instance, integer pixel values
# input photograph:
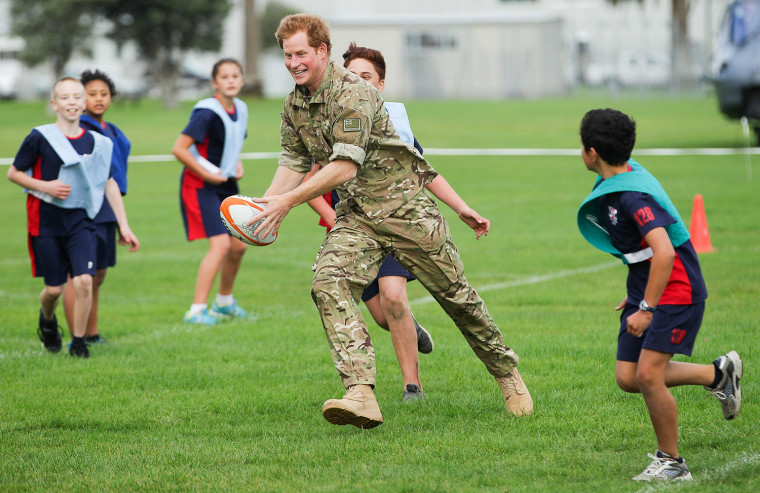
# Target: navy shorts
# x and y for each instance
(389, 267)
(673, 330)
(200, 204)
(54, 258)
(105, 235)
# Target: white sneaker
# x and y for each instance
(729, 391)
(664, 469)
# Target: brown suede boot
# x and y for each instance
(516, 395)
(357, 407)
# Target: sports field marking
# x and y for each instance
(700, 151)
(529, 280)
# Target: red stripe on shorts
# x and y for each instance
(31, 254)
(191, 183)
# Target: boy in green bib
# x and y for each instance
(629, 215)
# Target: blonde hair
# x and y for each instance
(315, 27)
(54, 90)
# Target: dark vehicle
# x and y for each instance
(736, 65)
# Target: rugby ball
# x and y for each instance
(237, 211)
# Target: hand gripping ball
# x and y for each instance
(237, 211)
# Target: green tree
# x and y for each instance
(53, 29)
(270, 21)
(164, 31)
(253, 85)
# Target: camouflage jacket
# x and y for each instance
(345, 119)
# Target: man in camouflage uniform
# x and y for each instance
(336, 119)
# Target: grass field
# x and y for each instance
(166, 407)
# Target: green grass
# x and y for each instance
(663, 122)
(165, 407)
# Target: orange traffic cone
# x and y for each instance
(700, 235)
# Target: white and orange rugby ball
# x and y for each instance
(237, 211)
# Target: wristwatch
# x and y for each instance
(644, 307)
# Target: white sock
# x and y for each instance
(196, 308)
(224, 299)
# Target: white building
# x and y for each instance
(597, 43)
(461, 56)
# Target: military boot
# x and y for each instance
(357, 407)
(516, 395)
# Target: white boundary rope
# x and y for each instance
(697, 151)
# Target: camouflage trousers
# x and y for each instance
(417, 235)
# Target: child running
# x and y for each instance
(630, 215)
(66, 171)
(100, 91)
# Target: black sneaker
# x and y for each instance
(424, 341)
(412, 392)
(729, 391)
(96, 339)
(50, 334)
(79, 350)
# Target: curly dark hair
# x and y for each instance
(90, 75)
(611, 132)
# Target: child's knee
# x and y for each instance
(53, 291)
(627, 384)
(220, 244)
(82, 283)
(625, 376)
(647, 378)
(236, 251)
(237, 247)
(394, 306)
(100, 277)
(393, 299)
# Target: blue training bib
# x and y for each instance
(86, 174)
(234, 133)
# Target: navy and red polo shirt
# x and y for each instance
(38, 155)
(628, 216)
(207, 130)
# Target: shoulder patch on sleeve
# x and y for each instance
(352, 125)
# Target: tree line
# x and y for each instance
(163, 31)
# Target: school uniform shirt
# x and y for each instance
(37, 154)
(628, 216)
(121, 148)
(207, 130)
(119, 157)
